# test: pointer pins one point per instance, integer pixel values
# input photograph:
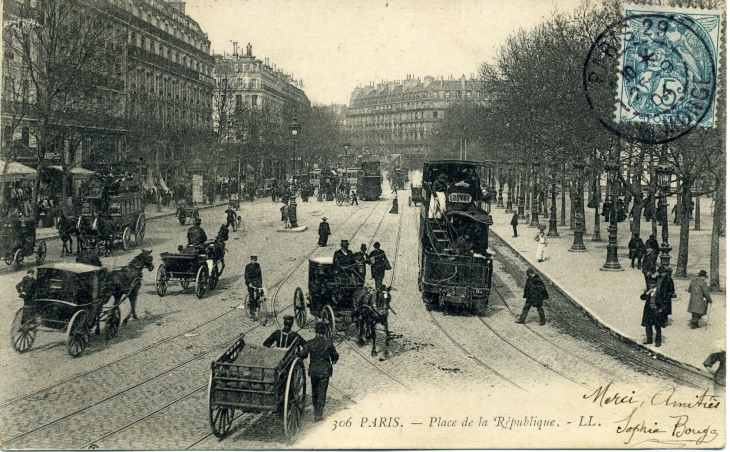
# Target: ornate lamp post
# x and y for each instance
(663, 180)
(501, 171)
(535, 221)
(612, 263)
(346, 146)
(521, 193)
(577, 206)
(294, 128)
(553, 229)
(510, 186)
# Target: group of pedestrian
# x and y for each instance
(353, 265)
(641, 252)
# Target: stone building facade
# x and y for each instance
(398, 117)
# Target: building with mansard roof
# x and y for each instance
(398, 117)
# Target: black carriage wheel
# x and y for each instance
(40, 255)
(328, 316)
(221, 418)
(23, 330)
(18, 259)
(77, 333)
(112, 322)
(300, 308)
(9, 258)
(234, 226)
(296, 391)
(201, 281)
(182, 219)
(161, 280)
(262, 312)
(139, 230)
(126, 237)
(214, 279)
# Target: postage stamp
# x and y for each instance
(669, 64)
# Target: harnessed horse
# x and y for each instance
(128, 280)
(372, 307)
(103, 230)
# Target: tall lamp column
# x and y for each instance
(510, 187)
(577, 206)
(553, 229)
(664, 178)
(294, 129)
(612, 263)
(535, 221)
(521, 193)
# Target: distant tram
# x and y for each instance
(370, 181)
(455, 264)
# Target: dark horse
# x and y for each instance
(128, 280)
(372, 307)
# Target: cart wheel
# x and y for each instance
(201, 281)
(126, 237)
(18, 259)
(296, 391)
(300, 309)
(40, 255)
(221, 418)
(262, 312)
(77, 334)
(10, 258)
(214, 279)
(234, 226)
(161, 281)
(139, 230)
(23, 330)
(328, 316)
(185, 283)
(112, 322)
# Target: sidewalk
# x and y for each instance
(612, 298)
(150, 214)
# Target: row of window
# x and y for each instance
(158, 112)
(158, 48)
(172, 88)
(440, 94)
(394, 118)
(393, 138)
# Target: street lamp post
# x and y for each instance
(521, 194)
(501, 170)
(612, 263)
(346, 146)
(664, 178)
(510, 187)
(553, 229)
(535, 221)
(294, 129)
(577, 207)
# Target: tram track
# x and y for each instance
(167, 371)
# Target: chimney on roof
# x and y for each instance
(249, 50)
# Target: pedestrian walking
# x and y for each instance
(285, 216)
(654, 316)
(652, 244)
(648, 268)
(361, 258)
(378, 264)
(541, 240)
(324, 232)
(323, 356)
(665, 288)
(535, 293)
(394, 209)
(636, 250)
(698, 299)
(354, 198)
(230, 217)
(514, 223)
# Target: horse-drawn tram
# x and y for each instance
(370, 181)
(69, 298)
(338, 297)
(255, 379)
(112, 209)
(455, 264)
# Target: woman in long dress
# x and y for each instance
(541, 239)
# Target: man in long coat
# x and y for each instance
(324, 232)
(535, 293)
(361, 258)
(698, 299)
(378, 265)
(636, 250)
(323, 356)
(253, 279)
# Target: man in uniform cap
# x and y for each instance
(253, 279)
(26, 287)
(323, 356)
(378, 264)
(324, 232)
(196, 234)
(285, 337)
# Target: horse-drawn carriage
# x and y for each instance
(18, 240)
(200, 264)
(185, 211)
(112, 209)
(74, 298)
(416, 197)
(255, 379)
(338, 296)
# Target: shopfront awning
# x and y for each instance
(14, 171)
(76, 171)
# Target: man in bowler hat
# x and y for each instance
(699, 298)
(323, 356)
(535, 294)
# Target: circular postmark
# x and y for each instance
(652, 77)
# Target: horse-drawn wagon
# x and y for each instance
(256, 379)
(18, 240)
(200, 264)
(185, 211)
(339, 296)
(73, 298)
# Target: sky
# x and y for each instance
(336, 45)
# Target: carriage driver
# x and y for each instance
(196, 234)
(285, 337)
(344, 262)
